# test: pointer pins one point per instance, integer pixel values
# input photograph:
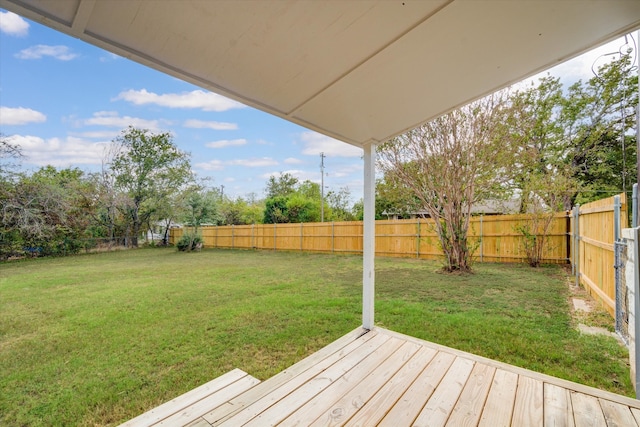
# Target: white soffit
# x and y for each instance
(359, 71)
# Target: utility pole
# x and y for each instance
(322, 187)
(221, 190)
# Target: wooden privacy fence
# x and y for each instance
(496, 238)
(593, 261)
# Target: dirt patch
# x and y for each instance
(588, 315)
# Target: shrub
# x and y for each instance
(189, 242)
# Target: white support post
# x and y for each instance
(636, 308)
(369, 237)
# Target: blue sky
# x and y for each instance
(63, 101)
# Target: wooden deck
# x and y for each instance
(384, 378)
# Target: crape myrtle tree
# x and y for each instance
(147, 167)
(449, 164)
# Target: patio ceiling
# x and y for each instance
(359, 71)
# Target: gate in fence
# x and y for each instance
(622, 297)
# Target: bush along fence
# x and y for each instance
(496, 238)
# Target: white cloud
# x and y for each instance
(342, 171)
(63, 53)
(315, 143)
(113, 119)
(201, 124)
(20, 116)
(207, 101)
(109, 57)
(12, 24)
(70, 151)
(226, 143)
(229, 179)
(211, 165)
(254, 162)
(292, 161)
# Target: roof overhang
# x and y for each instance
(359, 71)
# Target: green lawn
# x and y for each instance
(97, 339)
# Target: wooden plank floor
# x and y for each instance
(379, 377)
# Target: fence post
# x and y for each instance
(232, 238)
(301, 233)
(333, 238)
(616, 218)
(253, 237)
(216, 244)
(418, 241)
(634, 205)
(481, 239)
(275, 233)
(576, 242)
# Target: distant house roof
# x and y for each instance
(487, 207)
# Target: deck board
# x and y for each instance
(376, 408)
(439, 406)
(502, 396)
(270, 392)
(216, 387)
(529, 404)
(351, 401)
(587, 411)
(382, 378)
(472, 400)
(359, 359)
(405, 411)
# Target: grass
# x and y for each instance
(97, 339)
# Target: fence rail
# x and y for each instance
(495, 237)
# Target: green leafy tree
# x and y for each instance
(147, 168)
(276, 210)
(599, 119)
(290, 201)
(284, 184)
(241, 211)
(339, 202)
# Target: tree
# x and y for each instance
(283, 185)
(395, 199)
(598, 118)
(8, 152)
(240, 211)
(338, 202)
(147, 168)
(290, 202)
(47, 213)
(200, 207)
(449, 164)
